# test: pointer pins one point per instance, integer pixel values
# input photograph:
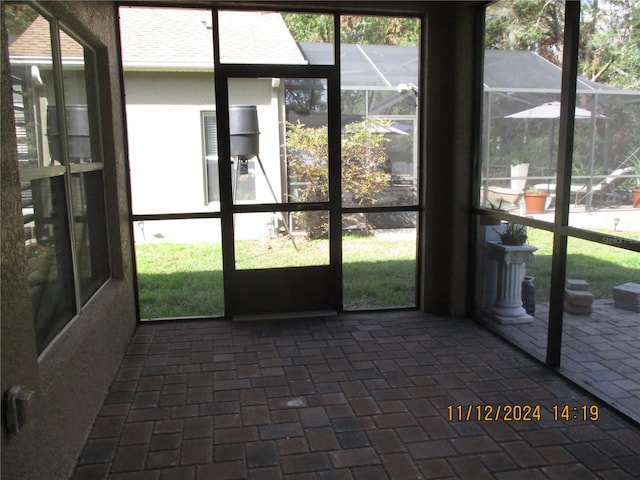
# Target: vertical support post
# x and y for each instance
(335, 167)
(592, 149)
(224, 167)
(487, 148)
(563, 195)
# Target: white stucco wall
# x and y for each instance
(164, 112)
(165, 144)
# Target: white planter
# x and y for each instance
(519, 176)
(511, 265)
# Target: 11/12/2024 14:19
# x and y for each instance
(521, 413)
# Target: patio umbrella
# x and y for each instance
(551, 110)
(399, 128)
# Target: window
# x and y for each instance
(244, 172)
(379, 161)
(61, 168)
(582, 258)
(210, 140)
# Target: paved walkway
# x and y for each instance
(625, 219)
(367, 396)
(600, 351)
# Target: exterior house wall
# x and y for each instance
(164, 115)
(267, 95)
(165, 139)
(72, 376)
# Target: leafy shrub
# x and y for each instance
(365, 171)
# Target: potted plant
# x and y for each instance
(514, 234)
(635, 190)
(491, 220)
(535, 200)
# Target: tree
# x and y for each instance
(310, 27)
(609, 35)
(364, 168)
(354, 29)
(611, 42)
(379, 30)
(534, 25)
(18, 17)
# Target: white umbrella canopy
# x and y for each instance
(551, 110)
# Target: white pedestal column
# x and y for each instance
(512, 262)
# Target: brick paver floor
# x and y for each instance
(600, 351)
(367, 396)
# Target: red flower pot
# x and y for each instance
(534, 202)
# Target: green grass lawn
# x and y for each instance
(603, 266)
(176, 279)
(378, 273)
(186, 279)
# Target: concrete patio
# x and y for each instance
(366, 396)
(601, 351)
(623, 220)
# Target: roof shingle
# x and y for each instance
(180, 38)
(154, 37)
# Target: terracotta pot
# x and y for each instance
(534, 202)
(635, 195)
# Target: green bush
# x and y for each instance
(365, 169)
